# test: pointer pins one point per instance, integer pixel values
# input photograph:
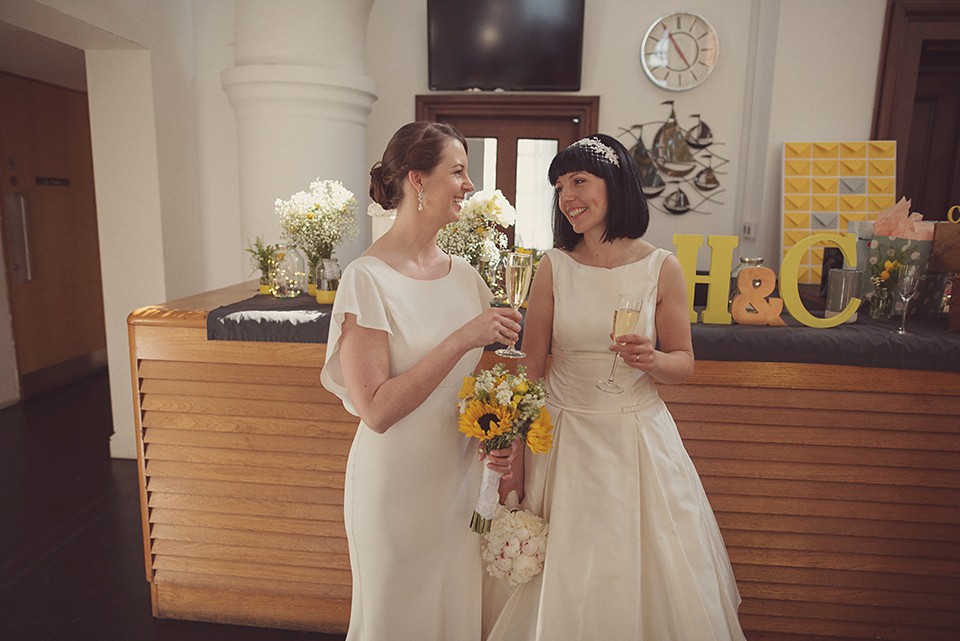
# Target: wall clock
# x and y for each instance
(679, 51)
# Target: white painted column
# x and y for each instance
(302, 99)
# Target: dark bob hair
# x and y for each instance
(416, 146)
(627, 213)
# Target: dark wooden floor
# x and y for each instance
(71, 551)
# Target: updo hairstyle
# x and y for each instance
(416, 146)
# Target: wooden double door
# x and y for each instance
(511, 118)
(49, 228)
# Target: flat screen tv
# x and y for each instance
(511, 45)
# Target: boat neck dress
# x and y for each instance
(634, 550)
(409, 493)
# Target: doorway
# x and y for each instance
(918, 102)
(932, 173)
(48, 221)
(525, 131)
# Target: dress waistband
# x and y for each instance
(642, 406)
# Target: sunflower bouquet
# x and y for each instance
(498, 407)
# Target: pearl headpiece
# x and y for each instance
(598, 150)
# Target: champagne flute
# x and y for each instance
(625, 318)
(494, 278)
(517, 270)
(908, 279)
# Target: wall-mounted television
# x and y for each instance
(511, 45)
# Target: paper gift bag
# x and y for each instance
(929, 298)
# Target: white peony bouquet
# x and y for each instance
(515, 546)
(318, 220)
(475, 236)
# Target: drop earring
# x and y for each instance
(420, 200)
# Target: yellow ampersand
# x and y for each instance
(751, 306)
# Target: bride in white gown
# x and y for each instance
(409, 322)
(634, 551)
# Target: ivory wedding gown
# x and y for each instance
(410, 492)
(634, 551)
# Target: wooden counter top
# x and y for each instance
(191, 311)
(837, 488)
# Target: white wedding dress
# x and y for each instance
(410, 492)
(634, 551)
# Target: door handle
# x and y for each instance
(18, 233)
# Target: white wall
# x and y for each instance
(786, 71)
(128, 212)
(827, 96)
(777, 79)
(139, 67)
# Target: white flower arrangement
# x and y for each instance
(515, 546)
(475, 236)
(318, 220)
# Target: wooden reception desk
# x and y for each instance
(837, 487)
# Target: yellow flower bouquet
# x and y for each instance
(498, 407)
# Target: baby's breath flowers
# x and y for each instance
(475, 237)
(319, 220)
(498, 407)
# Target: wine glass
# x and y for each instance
(494, 278)
(625, 318)
(908, 279)
(517, 270)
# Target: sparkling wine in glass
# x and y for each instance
(625, 318)
(908, 279)
(517, 270)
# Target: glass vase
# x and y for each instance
(288, 272)
(734, 288)
(881, 304)
(327, 276)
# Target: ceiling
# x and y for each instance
(31, 55)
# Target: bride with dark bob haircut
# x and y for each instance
(627, 213)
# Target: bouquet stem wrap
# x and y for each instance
(487, 501)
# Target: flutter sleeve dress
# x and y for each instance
(634, 551)
(409, 493)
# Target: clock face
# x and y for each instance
(679, 51)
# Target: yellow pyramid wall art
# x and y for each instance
(827, 185)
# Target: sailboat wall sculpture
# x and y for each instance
(681, 158)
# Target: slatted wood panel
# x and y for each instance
(838, 493)
(837, 488)
(243, 456)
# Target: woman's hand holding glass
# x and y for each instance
(494, 325)
(625, 318)
(636, 350)
(517, 272)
